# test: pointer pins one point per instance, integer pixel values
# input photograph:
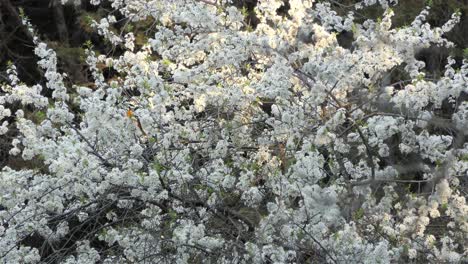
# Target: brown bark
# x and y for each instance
(60, 21)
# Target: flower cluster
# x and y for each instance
(223, 142)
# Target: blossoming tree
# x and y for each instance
(220, 141)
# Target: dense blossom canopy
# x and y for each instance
(218, 141)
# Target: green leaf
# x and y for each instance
(172, 215)
(444, 206)
(354, 29)
(166, 62)
(405, 249)
(21, 13)
(358, 214)
(88, 44)
(158, 167)
(465, 53)
(244, 11)
(40, 116)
